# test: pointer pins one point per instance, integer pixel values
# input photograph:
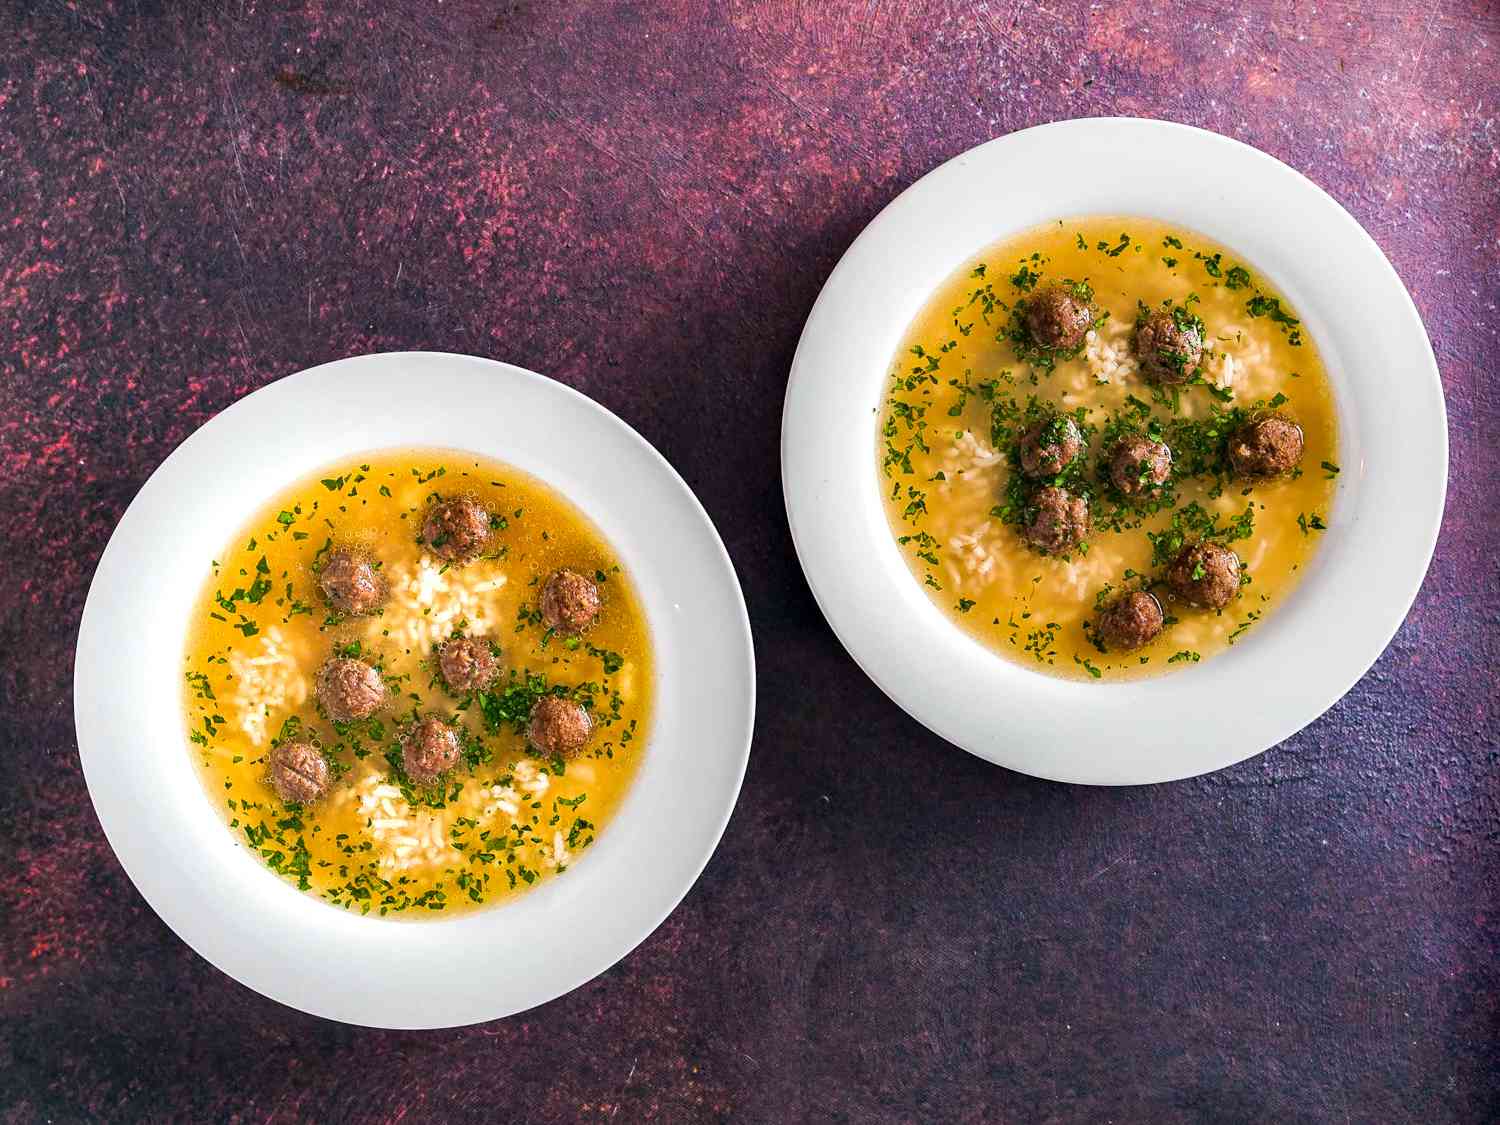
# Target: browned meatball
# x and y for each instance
(1057, 318)
(570, 602)
(456, 529)
(429, 750)
(350, 689)
(298, 772)
(351, 583)
(1060, 522)
(558, 726)
(1169, 345)
(1139, 465)
(1049, 447)
(1205, 575)
(1130, 621)
(467, 664)
(1266, 447)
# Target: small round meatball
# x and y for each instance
(570, 602)
(1060, 523)
(1130, 621)
(350, 689)
(456, 529)
(558, 726)
(429, 750)
(1049, 447)
(1266, 447)
(298, 772)
(1205, 575)
(1170, 347)
(351, 584)
(467, 664)
(1139, 465)
(1057, 318)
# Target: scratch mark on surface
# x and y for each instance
(623, 1088)
(1107, 867)
(233, 110)
(244, 339)
(234, 229)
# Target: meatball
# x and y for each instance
(429, 750)
(1049, 447)
(1130, 621)
(1057, 318)
(350, 689)
(298, 772)
(1205, 575)
(558, 726)
(1266, 447)
(351, 583)
(1060, 522)
(1169, 346)
(570, 602)
(456, 529)
(467, 664)
(1139, 465)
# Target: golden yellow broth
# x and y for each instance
(941, 499)
(261, 630)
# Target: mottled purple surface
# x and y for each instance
(643, 201)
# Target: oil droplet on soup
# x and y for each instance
(383, 838)
(1023, 373)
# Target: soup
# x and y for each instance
(1109, 449)
(418, 682)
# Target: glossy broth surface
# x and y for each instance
(964, 384)
(504, 818)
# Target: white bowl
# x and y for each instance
(287, 944)
(1393, 448)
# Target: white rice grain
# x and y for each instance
(268, 682)
(428, 602)
(1107, 353)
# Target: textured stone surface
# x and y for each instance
(643, 201)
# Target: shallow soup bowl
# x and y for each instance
(429, 972)
(1392, 440)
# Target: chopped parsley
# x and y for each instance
(1262, 305)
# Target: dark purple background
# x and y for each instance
(643, 201)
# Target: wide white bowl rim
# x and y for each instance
(432, 972)
(1393, 452)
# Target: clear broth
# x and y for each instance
(945, 480)
(503, 820)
